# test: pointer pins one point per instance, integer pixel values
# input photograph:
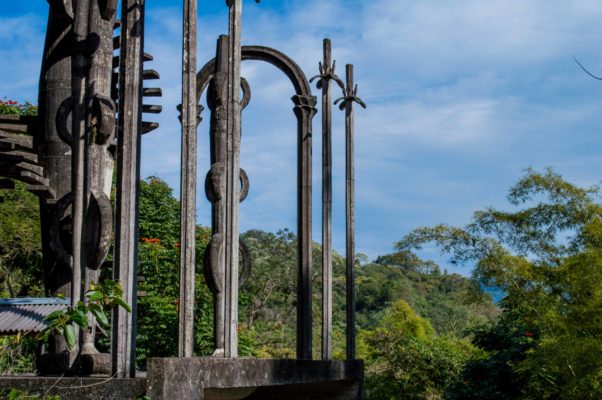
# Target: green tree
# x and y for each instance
(545, 257)
(159, 260)
(20, 246)
(20, 257)
(405, 359)
(492, 375)
(566, 363)
(269, 298)
(449, 301)
(17, 355)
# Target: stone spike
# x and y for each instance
(232, 175)
(326, 206)
(188, 181)
(128, 175)
(350, 217)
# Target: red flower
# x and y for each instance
(178, 245)
(529, 334)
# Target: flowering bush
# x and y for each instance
(150, 240)
(11, 107)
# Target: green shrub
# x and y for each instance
(17, 355)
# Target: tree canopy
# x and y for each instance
(545, 256)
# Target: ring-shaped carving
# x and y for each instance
(213, 252)
(244, 185)
(212, 182)
(97, 243)
(208, 76)
(62, 116)
(209, 190)
(103, 111)
(246, 93)
(245, 256)
(58, 213)
(98, 238)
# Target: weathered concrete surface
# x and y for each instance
(244, 378)
(78, 388)
(95, 364)
(211, 379)
(339, 390)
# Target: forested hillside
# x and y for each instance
(268, 299)
(424, 333)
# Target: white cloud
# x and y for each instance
(441, 82)
(440, 36)
(457, 123)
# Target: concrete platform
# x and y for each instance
(208, 378)
(247, 378)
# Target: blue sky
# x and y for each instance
(462, 95)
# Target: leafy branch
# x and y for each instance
(100, 298)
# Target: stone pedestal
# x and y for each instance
(243, 378)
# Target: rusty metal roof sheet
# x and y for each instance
(26, 315)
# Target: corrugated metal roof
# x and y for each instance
(26, 315)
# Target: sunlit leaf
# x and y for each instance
(100, 317)
(70, 336)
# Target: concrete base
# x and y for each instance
(210, 379)
(78, 388)
(244, 378)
